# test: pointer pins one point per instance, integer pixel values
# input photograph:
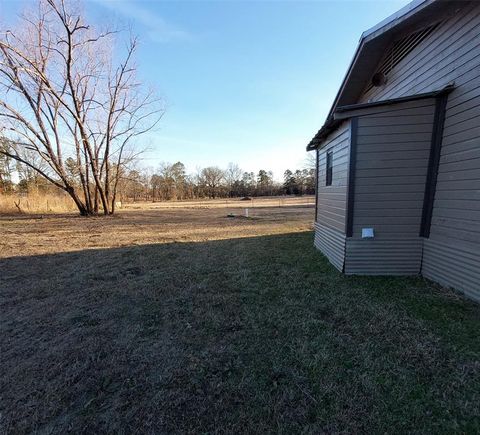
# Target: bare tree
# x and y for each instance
(212, 178)
(233, 175)
(63, 94)
(310, 161)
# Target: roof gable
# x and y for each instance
(413, 19)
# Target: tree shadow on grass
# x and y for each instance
(244, 335)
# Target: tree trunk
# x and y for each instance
(84, 211)
(95, 206)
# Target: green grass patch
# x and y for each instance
(253, 335)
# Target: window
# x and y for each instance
(328, 181)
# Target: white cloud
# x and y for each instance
(156, 27)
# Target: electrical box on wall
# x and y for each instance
(368, 233)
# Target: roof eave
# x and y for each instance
(344, 112)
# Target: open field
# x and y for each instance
(150, 223)
(167, 320)
(228, 203)
(47, 203)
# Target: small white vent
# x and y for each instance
(397, 52)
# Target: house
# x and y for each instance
(398, 157)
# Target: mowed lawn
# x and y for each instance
(186, 321)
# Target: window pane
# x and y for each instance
(329, 170)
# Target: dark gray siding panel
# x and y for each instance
(451, 54)
(332, 244)
(392, 164)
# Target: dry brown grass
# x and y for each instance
(55, 203)
(153, 223)
(35, 203)
(228, 203)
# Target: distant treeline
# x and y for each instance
(172, 182)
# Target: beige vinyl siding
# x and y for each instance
(393, 149)
(384, 257)
(450, 54)
(332, 200)
(456, 268)
(331, 243)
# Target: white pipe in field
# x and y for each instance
(246, 212)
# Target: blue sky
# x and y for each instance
(245, 81)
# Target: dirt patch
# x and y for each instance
(29, 235)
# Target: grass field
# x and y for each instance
(182, 320)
